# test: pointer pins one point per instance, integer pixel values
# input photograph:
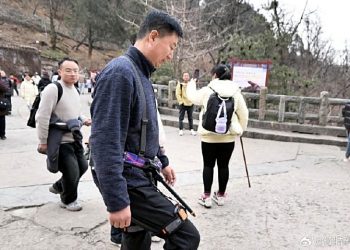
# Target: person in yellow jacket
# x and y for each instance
(185, 104)
(218, 147)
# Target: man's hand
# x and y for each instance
(42, 149)
(87, 122)
(169, 175)
(121, 218)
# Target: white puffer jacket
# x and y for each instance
(28, 91)
(224, 88)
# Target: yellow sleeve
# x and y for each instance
(178, 93)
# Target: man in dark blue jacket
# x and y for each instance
(128, 193)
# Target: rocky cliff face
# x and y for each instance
(25, 40)
(16, 59)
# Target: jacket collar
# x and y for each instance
(141, 61)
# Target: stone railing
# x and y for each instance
(166, 96)
(19, 47)
(322, 111)
(314, 115)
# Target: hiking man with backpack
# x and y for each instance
(58, 123)
(185, 105)
(224, 116)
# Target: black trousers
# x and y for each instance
(2, 125)
(15, 89)
(183, 110)
(9, 98)
(220, 153)
(153, 211)
(72, 164)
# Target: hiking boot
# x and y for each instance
(205, 201)
(219, 199)
(53, 190)
(73, 206)
(193, 132)
(181, 132)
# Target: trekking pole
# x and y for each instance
(159, 178)
(245, 161)
(153, 167)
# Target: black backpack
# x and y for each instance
(217, 117)
(35, 105)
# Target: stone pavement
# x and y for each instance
(299, 197)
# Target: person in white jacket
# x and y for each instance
(28, 90)
(218, 148)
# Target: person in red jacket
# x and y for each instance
(14, 80)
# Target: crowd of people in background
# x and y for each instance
(28, 86)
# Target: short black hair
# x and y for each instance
(222, 72)
(160, 21)
(67, 59)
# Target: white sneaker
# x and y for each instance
(181, 132)
(205, 201)
(73, 206)
(155, 238)
(219, 200)
(346, 159)
(193, 132)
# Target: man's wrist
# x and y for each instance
(164, 160)
(43, 141)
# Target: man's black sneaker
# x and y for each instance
(116, 239)
(116, 235)
(53, 190)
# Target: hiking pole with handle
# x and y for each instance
(245, 161)
(159, 178)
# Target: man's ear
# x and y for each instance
(153, 35)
